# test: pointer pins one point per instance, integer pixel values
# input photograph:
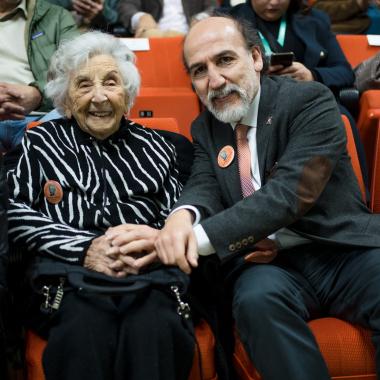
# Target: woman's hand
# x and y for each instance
(97, 259)
(296, 71)
(132, 244)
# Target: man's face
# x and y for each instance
(270, 10)
(225, 75)
(96, 97)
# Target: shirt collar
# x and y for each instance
(83, 137)
(250, 118)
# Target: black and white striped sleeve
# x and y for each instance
(30, 227)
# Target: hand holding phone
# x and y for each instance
(284, 59)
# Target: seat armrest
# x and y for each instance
(349, 98)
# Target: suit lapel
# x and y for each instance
(265, 121)
(223, 135)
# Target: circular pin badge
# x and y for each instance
(226, 156)
(53, 191)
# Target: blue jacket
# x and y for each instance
(323, 54)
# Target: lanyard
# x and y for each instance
(280, 37)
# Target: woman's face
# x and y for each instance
(270, 10)
(96, 97)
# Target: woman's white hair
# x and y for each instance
(71, 54)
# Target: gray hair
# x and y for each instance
(71, 54)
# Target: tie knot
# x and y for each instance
(241, 131)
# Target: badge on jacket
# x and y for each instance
(53, 191)
(226, 156)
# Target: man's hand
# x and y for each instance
(132, 244)
(296, 71)
(97, 259)
(266, 251)
(146, 22)
(88, 9)
(9, 108)
(176, 243)
(17, 100)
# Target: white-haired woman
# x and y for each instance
(91, 190)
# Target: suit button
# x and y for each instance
(251, 239)
(322, 54)
(232, 247)
(238, 245)
(245, 242)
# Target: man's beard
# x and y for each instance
(229, 113)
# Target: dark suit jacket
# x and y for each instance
(323, 54)
(308, 184)
(127, 8)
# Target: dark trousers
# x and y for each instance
(272, 304)
(98, 337)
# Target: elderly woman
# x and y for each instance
(91, 190)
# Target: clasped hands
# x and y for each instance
(122, 250)
(128, 248)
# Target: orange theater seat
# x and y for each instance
(347, 349)
(166, 89)
(180, 103)
(162, 123)
(356, 48)
(369, 129)
(204, 355)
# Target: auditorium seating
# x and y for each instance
(347, 349)
(356, 48)
(166, 89)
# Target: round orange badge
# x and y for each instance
(226, 156)
(53, 191)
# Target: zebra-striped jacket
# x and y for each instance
(131, 177)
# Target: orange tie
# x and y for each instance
(244, 159)
(266, 249)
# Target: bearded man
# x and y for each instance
(274, 200)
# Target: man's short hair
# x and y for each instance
(249, 33)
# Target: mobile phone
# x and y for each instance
(284, 59)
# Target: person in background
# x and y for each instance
(347, 16)
(92, 14)
(30, 31)
(273, 201)
(159, 18)
(291, 25)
